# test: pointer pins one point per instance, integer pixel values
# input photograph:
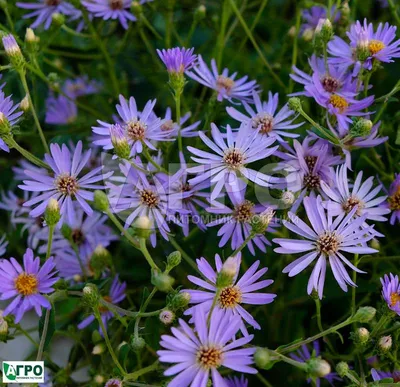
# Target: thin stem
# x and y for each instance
(44, 334)
(295, 46)
(135, 375)
(122, 229)
(22, 76)
(394, 12)
(221, 37)
(169, 21)
(108, 343)
(215, 300)
(318, 307)
(50, 241)
(379, 325)
(151, 161)
(28, 336)
(9, 19)
(75, 33)
(288, 360)
(29, 156)
(148, 45)
(253, 41)
(243, 245)
(150, 27)
(145, 252)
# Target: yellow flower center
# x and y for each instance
(67, 184)
(225, 83)
(338, 102)
(209, 357)
(26, 284)
(328, 243)
(149, 198)
(230, 297)
(136, 130)
(394, 299)
(351, 202)
(375, 46)
(243, 212)
(234, 158)
(394, 201)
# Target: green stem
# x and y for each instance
(244, 244)
(9, 20)
(29, 156)
(75, 33)
(253, 41)
(28, 336)
(288, 360)
(146, 154)
(148, 45)
(44, 334)
(318, 307)
(135, 375)
(295, 46)
(379, 325)
(394, 12)
(185, 256)
(145, 252)
(215, 300)
(122, 229)
(50, 241)
(221, 36)
(169, 21)
(22, 76)
(108, 343)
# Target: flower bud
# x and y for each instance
(324, 30)
(91, 295)
(259, 223)
(137, 343)
(3, 4)
(294, 104)
(361, 128)
(101, 202)
(100, 260)
(318, 368)
(142, 227)
(179, 301)
(136, 9)
(385, 343)
(292, 31)
(31, 40)
(228, 272)
(58, 19)
(114, 383)
(342, 369)
(200, 13)
(162, 281)
(3, 328)
(11, 46)
(98, 349)
(365, 314)
(52, 213)
(99, 379)
(308, 34)
(173, 260)
(361, 336)
(167, 317)
(288, 198)
(24, 104)
(120, 142)
(96, 337)
(261, 357)
(5, 128)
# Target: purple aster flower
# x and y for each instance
(115, 296)
(379, 375)
(112, 9)
(393, 201)
(324, 240)
(391, 292)
(306, 166)
(81, 86)
(7, 111)
(27, 284)
(12, 203)
(113, 383)
(171, 128)
(66, 185)
(303, 355)
(140, 127)
(365, 46)
(236, 222)
(43, 11)
(342, 199)
(60, 110)
(201, 350)
(265, 118)
(87, 232)
(3, 245)
(228, 164)
(313, 15)
(236, 381)
(224, 84)
(178, 59)
(232, 298)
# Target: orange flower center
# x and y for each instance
(394, 201)
(375, 46)
(229, 297)
(338, 102)
(394, 299)
(225, 83)
(209, 357)
(26, 284)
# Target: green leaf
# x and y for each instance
(51, 327)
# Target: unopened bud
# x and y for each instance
(101, 202)
(174, 259)
(31, 40)
(342, 369)
(77, 278)
(58, 19)
(179, 301)
(162, 281)
(99, 379)
(292, 31)
(137, 343)
(30, 35)
(24, 104)
(262, 358)
(228, 272)
(200, 13)
(98, 349)
(385, 343)
(91, 295)
(361, 128)
(365, 314)
(308, 34)
(294, 104)
(3, 4)
(324, 30)
(11, 46)
(259, 223)
(5, 127)
(318, 368)
(375, 244)
(136, 9)
(120, 142)
(361, 336)
(288, 198)
(3, 328)
(52, 213)
(167, 317)
(100, 260)
(142, 227)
